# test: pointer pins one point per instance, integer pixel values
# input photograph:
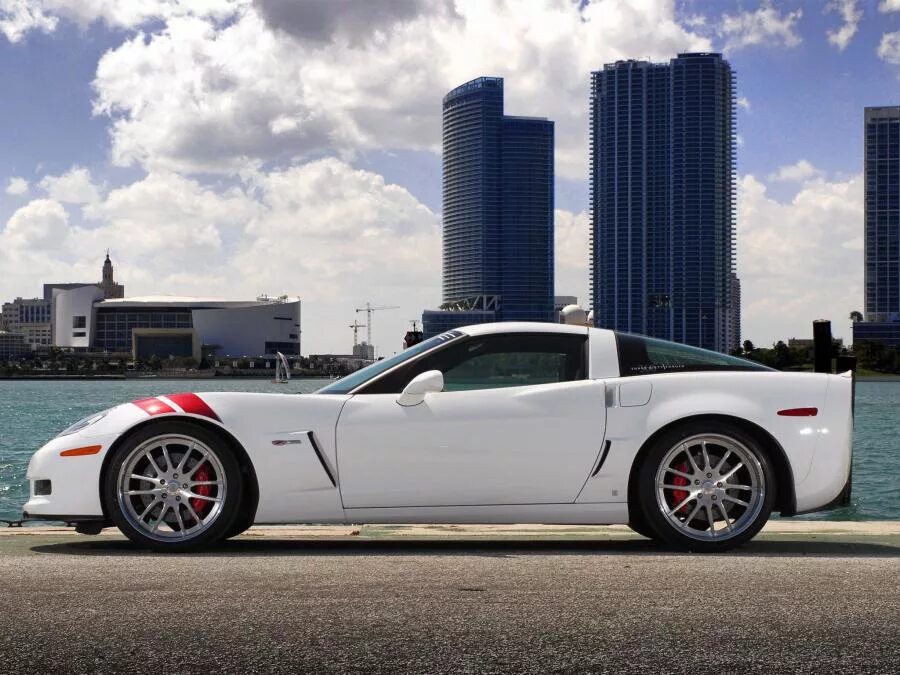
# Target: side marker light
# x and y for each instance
(81, 452)
(799, 412)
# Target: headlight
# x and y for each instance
(83, 423)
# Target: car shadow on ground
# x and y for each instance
(357, 546)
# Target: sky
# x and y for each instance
(230, 148)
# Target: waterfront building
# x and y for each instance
(882, 228)
(364, 350)
(165, 326)
(497, 212)
(662, 184)
(12, 346)
(108, 284)
(29, 317)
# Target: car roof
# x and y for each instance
(525, 327)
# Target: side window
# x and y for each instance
(639, 355)
(494, 361)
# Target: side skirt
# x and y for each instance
(500, 514)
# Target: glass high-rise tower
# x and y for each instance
(497, 212)
(882, 227)
(662, 180)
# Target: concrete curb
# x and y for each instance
(776, 527)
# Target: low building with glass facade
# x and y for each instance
(12, 346)
(164, 326)
(29, 317)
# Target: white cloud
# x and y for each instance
(197, 95)
(799, 171)
(18, 17)
(744, 103)
(799, 260)
(764, 26)
(889, 6)
(334, 235)
(850, 14)
(572, 254)
(32, 243)
(42, 223)
(889, 47)
(73, 187)
(17, 186)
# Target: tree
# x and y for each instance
(748, 347)
(856, 316)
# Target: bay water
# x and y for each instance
(32, 412)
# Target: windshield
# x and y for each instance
(347, 384)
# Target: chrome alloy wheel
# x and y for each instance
(710, 487)
(171, 487)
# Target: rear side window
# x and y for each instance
(639, 355)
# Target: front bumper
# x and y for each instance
(75, 481)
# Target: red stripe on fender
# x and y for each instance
(153, 406)
(193, 405)
(799, 412)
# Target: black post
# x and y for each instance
(822, 345)
(845, 363)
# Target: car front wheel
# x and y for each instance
(173, 486)
(706, 486)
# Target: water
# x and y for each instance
(32, 412)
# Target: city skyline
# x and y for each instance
(314, 167)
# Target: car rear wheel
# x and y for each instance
(173, 486)
(706, 486)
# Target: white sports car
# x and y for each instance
(496, 423)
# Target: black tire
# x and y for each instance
(637, 523)
(737, 513)
(223, 497)
(242, 523)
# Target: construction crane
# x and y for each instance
(356, 326)
(368, 309)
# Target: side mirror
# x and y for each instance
(429, 382)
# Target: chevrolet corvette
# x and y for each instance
(495, 423)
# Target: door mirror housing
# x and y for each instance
(429, 382)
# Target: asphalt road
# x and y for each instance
(824, 604)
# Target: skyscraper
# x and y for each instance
(497, 212)
(662, 181)
(882, 227)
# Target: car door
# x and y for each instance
(517, 423)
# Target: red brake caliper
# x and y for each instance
(200, 505)
(679, 496)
